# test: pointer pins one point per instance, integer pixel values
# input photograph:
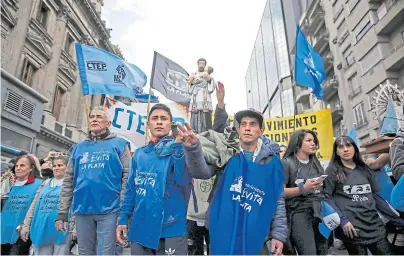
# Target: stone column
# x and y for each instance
(74, 105)
(96, 100)
(53, 65)
(17, 37)
(66, 106)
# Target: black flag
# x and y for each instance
(169, 79)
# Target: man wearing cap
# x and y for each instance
(247, 203)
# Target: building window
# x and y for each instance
(69, 44)
(370, 59)
(354, 86)
(43, 14)
(57, 103)
(360, 116)
(28, 72)
(364, 25)
(351, 5)
(350, 59)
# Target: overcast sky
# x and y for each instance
(221, 31)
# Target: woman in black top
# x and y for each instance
(349, 188)
(303, 193)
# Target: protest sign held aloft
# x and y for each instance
(280, 129)
(129, 122)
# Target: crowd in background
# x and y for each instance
(157, 201)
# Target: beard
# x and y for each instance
(201, 69)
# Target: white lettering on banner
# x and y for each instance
(129, 122)
(176, 91)
(247, 196)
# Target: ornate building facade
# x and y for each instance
(37, 48)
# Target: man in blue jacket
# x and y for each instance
(157, 192)
(248, 202)
(94, 185)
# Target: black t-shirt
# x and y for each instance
(297, 172)
(354, 197)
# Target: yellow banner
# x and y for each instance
(280, 129)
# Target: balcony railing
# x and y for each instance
(385, 7)
(394, 49)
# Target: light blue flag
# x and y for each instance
(145, 98)
(389, 124)
(352, 134)
(331, 219)
(309, 66)
(102, 72)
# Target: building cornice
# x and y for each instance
(100, 24)
(68, 59)
(7, 16)
(37, 27)
(13, 3)
(56, 136)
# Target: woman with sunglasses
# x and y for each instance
(27, 182)
(304, 193)
(350, 187)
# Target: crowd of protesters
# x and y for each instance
(227, 190)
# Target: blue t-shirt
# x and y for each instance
(248, 155)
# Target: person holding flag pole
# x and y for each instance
(98, 169)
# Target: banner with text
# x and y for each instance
(129, 122)
(280, 129)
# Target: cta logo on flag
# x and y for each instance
(169, 79)
(331, 219)
(102, 72)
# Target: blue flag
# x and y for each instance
(389, 123)
(102, 72)
(331, 219)
(309, 66)
(352, 134)
(145, 98)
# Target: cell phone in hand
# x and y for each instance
(321, 178)
(174, 130)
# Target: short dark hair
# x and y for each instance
(162, 107)
(202, 59)
(210, 70)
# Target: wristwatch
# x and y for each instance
(301, 189)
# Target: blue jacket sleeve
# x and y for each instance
(128, 203)
(196, 164)
(397, 195)
(279, 224)
(180, 172)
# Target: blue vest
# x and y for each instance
(97, 176)
(43, 230)
(162, 190)
(244, 205)
(15, 209)
(385, 183)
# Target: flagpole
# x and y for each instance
(147, 113)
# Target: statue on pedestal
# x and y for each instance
(202, 85)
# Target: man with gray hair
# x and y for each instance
(94, 186)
